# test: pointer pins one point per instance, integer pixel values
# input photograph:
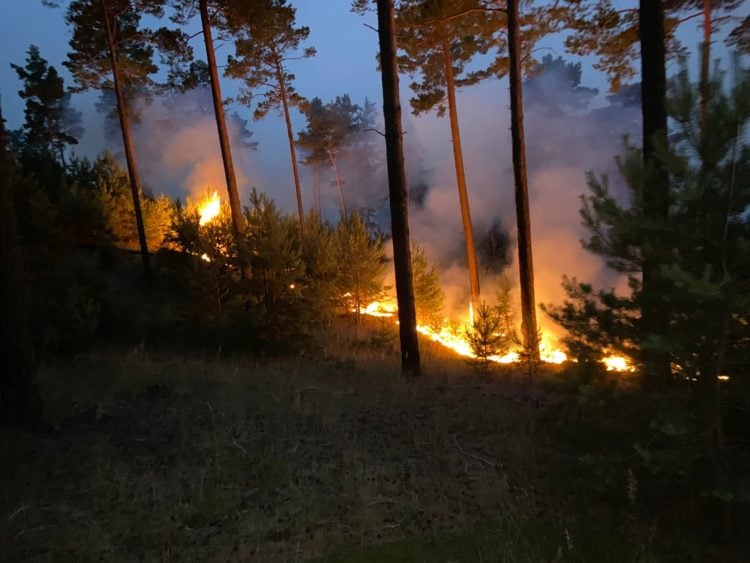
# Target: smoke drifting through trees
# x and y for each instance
(565, 138)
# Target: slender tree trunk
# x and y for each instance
(290, 136)
(398, 190)
(316, 190)
(338, 184)
(226, 151)
(123, 112)
(705, 65)
(463, 196)
(654, 319)
(19, 400)
(523, 217)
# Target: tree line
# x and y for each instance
(437, 42)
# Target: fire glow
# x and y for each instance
(454, 339)
(209, 208)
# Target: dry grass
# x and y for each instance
(165, 458)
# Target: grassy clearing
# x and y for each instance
(171, 458)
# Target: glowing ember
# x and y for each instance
(205, 257)
(617, 363)
(209, 208)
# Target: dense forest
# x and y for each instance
(378, 372)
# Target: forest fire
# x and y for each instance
(455, 339)
(209, 208)
(452, 337)
(618, 363)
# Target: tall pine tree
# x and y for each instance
(265, 37)
(112, 51)
(440, 38)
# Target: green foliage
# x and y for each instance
(429, 298)
(265, 39)
(89, 58)
(701, 247)
(330, 129)
(212, 268)
(685, 439)
(487, 336)
(432, 35)
(277, 288)
(320, 257)
(602, 27)
(596, 321)
(295, 284)
(361, 264)
(117, 207)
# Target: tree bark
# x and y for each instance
(123, 112)
(463, 196)
(523, 218)
(290, 136)
(398, 190)
(226, 150)
(20, 404)
(342, 203)
(654, 320)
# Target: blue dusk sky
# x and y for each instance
(345, 61)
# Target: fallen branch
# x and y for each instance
(17, 512)
(468, 454)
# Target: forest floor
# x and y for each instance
(150, 456)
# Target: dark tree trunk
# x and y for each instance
(290, 136)
(523, 219)
(705, 64)
(19, 401)
(226, 151)
(654, 320)
(123, 111)
(398, 190)
(463, 196)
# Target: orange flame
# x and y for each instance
(455, 339)
(618, 363)
(209, 208)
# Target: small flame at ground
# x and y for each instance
(209, 208)
(617, 363)
(455, 339)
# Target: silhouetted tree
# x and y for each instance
(398, 190)
(50, 123)
(19, 400)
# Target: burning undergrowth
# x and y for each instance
(356, 273)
